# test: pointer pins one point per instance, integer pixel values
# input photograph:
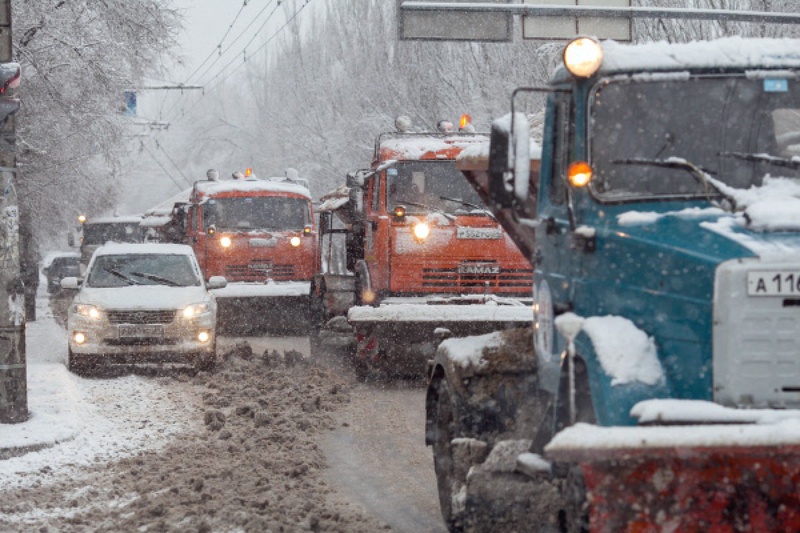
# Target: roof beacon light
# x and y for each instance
(583, 57)
(579, 173)
(81, 218)
(465, 124)
(248, 172)
(445, 126)
(403, 124)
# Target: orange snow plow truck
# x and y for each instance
(260, 235)
(422, 257)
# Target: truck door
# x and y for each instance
(376, 248)
(552, 277)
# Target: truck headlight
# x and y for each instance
(421, 231)
(225, 241)
(89, 311)
(203, 336)
(194, 310)
(79, 337)
(295, 241)
(583, 57)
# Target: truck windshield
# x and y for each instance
(274, 213)
(431, 185)
(737, 129)
(101, 233)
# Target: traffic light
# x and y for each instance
(10, 74)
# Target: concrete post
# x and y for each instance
(13, 367)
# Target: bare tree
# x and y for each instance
(78, 57)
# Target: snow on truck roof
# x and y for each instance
(420, 146)
(127, 219)
(729, 52)
(251, 185)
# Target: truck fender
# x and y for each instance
(441, 370)
(608, 403)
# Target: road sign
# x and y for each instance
(567, 27)
(454, 25)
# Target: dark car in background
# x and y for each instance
(61, 266)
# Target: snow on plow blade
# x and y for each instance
(280, 308)
(401, 334)
(721, 475)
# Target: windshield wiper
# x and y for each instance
(429, 208)
(701, 175)
(785, 162)
(469, 204)
(157, 279)
(121, 276)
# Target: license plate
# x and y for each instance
(478, 269)
(479, 233)
(141, 330)
(773, 283)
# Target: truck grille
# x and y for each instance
(450, 278)
(141, 317)
(756, 352)
(259, 270)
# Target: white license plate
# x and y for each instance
(141, 330)
(478, 233)
(773, 283)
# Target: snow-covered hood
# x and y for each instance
(142, 297)
(766, 223)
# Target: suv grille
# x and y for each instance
(141, 317)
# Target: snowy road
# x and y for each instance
(263, 443)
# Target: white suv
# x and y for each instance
(142, 303)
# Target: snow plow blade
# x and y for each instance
(272, 308)
(717, 476)
(400, 337)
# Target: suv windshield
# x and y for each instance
(735, 128)
(276, 213)
(435, 185)
(142, 269)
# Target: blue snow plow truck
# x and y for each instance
(659, 387)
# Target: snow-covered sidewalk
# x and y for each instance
(76, 421)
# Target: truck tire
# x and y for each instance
(576, 506)
(443, 463)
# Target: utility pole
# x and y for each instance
(13, 367)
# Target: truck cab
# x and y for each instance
(260, 235)
(665, 226)
(426, 231)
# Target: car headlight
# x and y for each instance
(87, 310)
(194, 310)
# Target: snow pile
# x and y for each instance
(270, 289)
(467, 352)
(698, 411)
(211, 188)
(440, 313)
(625, 352)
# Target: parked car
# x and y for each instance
(61, 266)
(142, 304)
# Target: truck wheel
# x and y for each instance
(206, 361)
(72, 364)
(443, 455)
(576, 511)
(362, 370)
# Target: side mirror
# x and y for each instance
(509, 160)
(70, 240)
(71, 283)
(217, 282)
